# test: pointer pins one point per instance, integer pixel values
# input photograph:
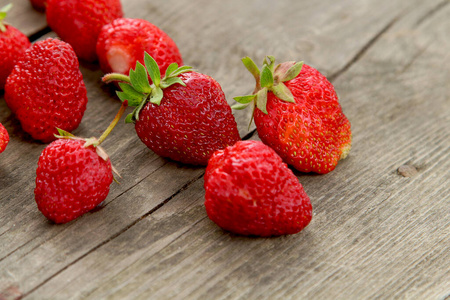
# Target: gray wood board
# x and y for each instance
(374, 232)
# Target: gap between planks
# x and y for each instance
(365, 48)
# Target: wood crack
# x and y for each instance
(431, 12)
(37, 35)
(15, 250)
(249, 135)
(364, 49)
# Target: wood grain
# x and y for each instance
(375, 233)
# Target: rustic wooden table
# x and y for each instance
(374, 234)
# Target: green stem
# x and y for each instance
(114, 122)
(116, 77)
(3, 12)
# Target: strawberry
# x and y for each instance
(298, 115)
(4, 138)
(123, 42)
(45, 90)
(183, 116)
(73, 175)
(39, 4)
(79, 22)
(13, 44)
(250, 191)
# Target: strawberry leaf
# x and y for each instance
(91, 142)
(266, 77)
(261, 100)
(251, 119)
(180, 70)
(165, 83)
(102, 153)
(129, 118)
(292, 72)
(156, 96)
(123, 97)
(251, 67)
(138, 109)
(64, 134)
(170, 69)
(245, 99)
(270, 62)
(3, 13)
(115, 173)
(152, 68)
(240, 106)
(283, 92)
(129, 93)
(139, 79)
(6, 8)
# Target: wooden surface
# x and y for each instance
(375, 234)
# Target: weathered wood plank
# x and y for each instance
(359, 208)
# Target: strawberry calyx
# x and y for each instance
(95, 142)
(269, 78)
(3, 13)
(136, 87)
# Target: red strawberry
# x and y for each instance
(123, 42)
(187, 121)
(46, 90)
(13, 44)
(298, 115)
(79, 22)
(4, 138)
(73, 175)
(39, 4)
(250, 191)
(70, 180)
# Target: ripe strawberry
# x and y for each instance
(250, 191)
(13, 44)
(123, 42)
(70, 180)
(4, 138)
(45, 90)
(298, 115)
(187, 121)
(39, 4)
(80, 22)
(73, 175)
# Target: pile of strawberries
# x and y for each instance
(179, 114)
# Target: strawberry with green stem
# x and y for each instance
(74, 175)
(297, 113)
(183, 116)
(13, 44)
